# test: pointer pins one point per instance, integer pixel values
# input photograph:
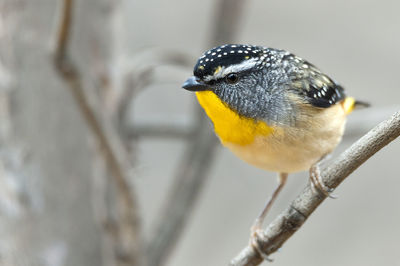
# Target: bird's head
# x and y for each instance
(242, 77)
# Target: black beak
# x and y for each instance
(192, 84)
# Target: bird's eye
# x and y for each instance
(232, 78)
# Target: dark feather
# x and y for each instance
(333, 93)
(319, 90)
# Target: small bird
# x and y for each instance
(272, 109)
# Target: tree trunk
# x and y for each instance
(48, 186)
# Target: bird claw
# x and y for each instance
(257, 234)
(317, 184)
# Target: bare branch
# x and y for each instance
(227, 16)
(161, 131)
(162, 126)
(127, 232)
(141, 74)
(64, 30)
(290, 220)
(192, 173)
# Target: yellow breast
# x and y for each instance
(228, 125)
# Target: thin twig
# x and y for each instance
(162, 126)
(128, 231)
(155, 130)
(191, 176)
(227, 21)
(141, 74)
(197, 159)
(64, 30)
(290, 220)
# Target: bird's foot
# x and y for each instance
(257, 235)
(317, 184)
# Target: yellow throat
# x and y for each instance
(228, 125)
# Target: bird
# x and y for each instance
(272, 109)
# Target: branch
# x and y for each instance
(140, 74)
(290, 220)
(127, 249)
(227, 20)
(190, 177)
(154, 130)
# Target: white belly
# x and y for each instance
(297, 148)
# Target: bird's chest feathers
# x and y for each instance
(228, 125)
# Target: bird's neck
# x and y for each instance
(228, 125)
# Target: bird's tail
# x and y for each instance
(349, 104)
(361, 104)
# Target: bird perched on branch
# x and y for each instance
(272, 109)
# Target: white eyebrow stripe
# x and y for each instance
(245, 65)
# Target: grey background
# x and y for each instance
(356, 43)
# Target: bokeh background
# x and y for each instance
(136, 54)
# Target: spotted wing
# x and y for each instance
(319, 90)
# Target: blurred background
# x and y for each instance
(105, 160)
